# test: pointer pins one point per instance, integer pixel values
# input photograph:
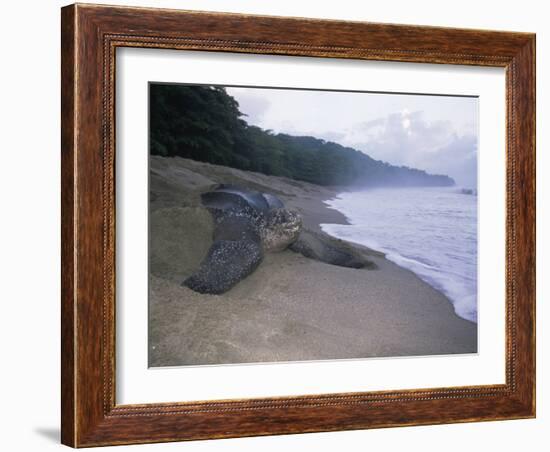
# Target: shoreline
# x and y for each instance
(327, 312)
(410, 250)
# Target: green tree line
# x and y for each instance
(204, 123)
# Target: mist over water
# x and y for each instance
(431, 231)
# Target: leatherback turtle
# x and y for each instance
(247, 224)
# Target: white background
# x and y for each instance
(29, 103)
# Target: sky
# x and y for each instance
(438, 134)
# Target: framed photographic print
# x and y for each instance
(282, 225)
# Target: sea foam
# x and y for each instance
(430, 231)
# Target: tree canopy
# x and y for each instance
(204, 123)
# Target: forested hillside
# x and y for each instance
(204, 123)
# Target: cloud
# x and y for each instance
(254, 106)
(371, 124)
(436, 134)
(407, 138)
(458, 159)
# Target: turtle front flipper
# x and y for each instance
(239, 217)
(226, 263)
(325, 249)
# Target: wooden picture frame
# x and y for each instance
(90, 36)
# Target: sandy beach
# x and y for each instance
(292, 307)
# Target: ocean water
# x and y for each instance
(430, 231)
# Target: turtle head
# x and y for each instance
(281, 229)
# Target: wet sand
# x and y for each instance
(291, 308)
